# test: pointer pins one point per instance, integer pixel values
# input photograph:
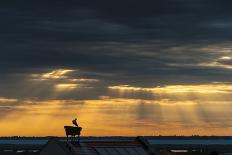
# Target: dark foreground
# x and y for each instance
(155, 145)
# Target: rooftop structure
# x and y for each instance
(188, 145)
(94, 147)
(159, 145)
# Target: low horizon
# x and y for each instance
(105, 118)
(121, 67)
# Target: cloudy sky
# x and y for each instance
(163, 66)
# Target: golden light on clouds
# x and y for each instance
(7, 100)
(52, 75)
(201, 88)
(61, 80)
(56, 74)
(215, 64)
(66, 86)
(134, 117)
(225, 58)
(84, 80)
(130, 88)
(167, 109)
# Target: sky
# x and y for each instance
(122, 67)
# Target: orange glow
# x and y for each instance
(125, 117)
(84, 80)
(55, 74)
(6, 100)
(204, 88)
(225, 58)
(65, 86)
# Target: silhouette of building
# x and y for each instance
(156, 145)
(94, 147)
(194, 145)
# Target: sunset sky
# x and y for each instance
(122, 67)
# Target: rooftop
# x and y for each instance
(95, 147)
(111, 145)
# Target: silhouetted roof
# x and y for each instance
(192, 142)
(54, 146)
(115, 145)
(188, 140)
(121, 151)
(112, 147)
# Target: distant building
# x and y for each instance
(197, 145)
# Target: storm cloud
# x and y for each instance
(144, 44)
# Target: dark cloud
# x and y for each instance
(226, 62)
(118, 42)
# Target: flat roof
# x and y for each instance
(191, 142)
(23, 141)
